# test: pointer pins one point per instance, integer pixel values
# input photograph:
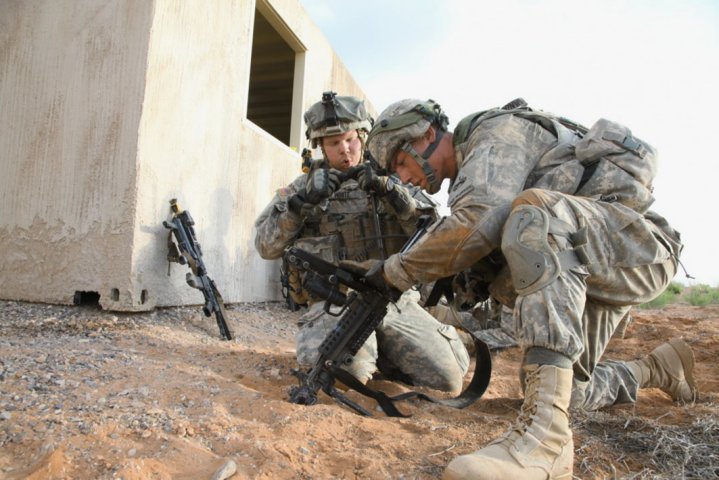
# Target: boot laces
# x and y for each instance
(528, 411)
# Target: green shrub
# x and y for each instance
(669, 295)
(701, 295)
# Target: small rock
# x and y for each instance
(132, 452)
(5, 416)
(225, 471)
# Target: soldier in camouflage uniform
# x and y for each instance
(370, 217)
(567, 208)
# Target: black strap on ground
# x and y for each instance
(474, 391)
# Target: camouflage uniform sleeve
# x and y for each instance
(277, 227)
(494, 164)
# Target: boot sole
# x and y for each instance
(686, 354)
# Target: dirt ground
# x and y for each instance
(92, 394)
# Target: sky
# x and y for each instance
(652, 65)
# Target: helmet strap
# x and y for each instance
(422, 160)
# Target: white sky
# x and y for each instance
(652, 65)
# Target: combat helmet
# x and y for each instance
(401, 123)
(335, 115)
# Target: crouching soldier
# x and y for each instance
(568, 208)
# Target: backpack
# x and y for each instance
(613, 165)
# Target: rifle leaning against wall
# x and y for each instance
(188, 251)
(361, 312)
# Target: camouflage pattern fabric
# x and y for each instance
(340, 228)
(346, 212)
(430, 353)
(493, 325)
(633, 256)
(315, 324)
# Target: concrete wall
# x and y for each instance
(108, 110)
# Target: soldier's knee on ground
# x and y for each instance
(449, 372)
(316, 325)
(430, 353)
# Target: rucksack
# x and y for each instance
(615, 165)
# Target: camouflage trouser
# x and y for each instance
(577, 313)
(428, 352)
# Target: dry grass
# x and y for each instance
(660, 451)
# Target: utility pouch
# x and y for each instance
(327, 247)
(618, 166)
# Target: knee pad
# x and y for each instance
(532, 262)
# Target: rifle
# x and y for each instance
(361, 312)
(190, 253)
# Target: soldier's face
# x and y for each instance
(407, 163)
(408, 170)
(343, 151)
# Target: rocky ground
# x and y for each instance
(92, 394)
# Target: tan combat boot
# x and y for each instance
(539, 445)
(670, 367)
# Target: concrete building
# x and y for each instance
(108, 109)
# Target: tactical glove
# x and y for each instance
(299, 205)
(368, 180)
(321, 183)
(296, 202)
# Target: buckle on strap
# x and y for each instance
(577, 255)
(626, 141)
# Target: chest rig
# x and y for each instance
(354, 226)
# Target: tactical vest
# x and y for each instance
(352, 226)
(605, 162)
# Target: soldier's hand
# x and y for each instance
(321, 183)
(299, 205)
(368, 180)
(373, 272)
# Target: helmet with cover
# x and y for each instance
(335, 115)
(401, 123)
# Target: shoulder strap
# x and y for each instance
(520, 108)
(470, 122)
(465, 126)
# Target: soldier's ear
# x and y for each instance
(430, 134)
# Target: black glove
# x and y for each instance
(297, 204)
(371, 182)
(373, 272)
(321, 183)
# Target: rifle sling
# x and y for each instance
(474, 391)
(443, 286)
